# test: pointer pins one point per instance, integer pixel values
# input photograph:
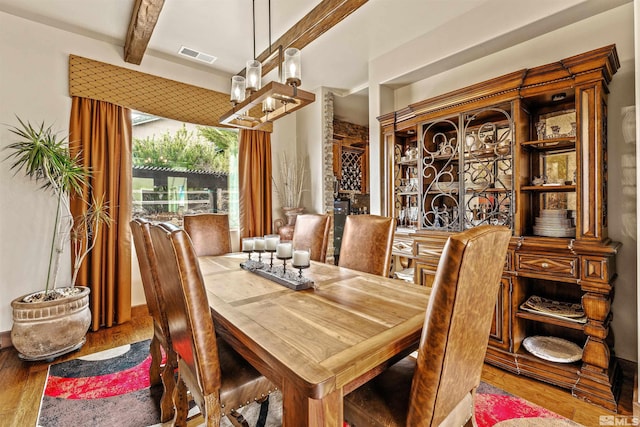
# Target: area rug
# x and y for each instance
(112, 388)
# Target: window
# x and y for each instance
(181, 168)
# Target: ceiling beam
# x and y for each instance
(322, 18)
(143, 21)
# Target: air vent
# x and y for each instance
(194, 54)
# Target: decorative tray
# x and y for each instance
(289, 278)
(548, 306)
(553, 349)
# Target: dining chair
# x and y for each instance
(219, 379)
(140, 230)
(438, 387)
(367, 242)
(312, 231)
(209, 233)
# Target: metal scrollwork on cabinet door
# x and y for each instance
(440, 165)
(488, 165)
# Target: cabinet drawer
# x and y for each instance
(554, 266)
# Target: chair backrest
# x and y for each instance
(140, 230)
(366, 244)
(209, 233)
(312, 231)
(187, 309)
(457, 322)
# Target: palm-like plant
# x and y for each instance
(45, 158)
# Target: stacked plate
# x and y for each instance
(554, 223)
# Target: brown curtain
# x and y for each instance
(254, 169)
(101, 132)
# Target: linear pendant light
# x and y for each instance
(254, 106)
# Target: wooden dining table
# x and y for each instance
(317, 344)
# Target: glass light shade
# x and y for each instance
(292, 71)
(238, 88)
(254, 75)
(268, 105)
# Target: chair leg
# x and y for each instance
(169, 384)
(156, 361)
(212, 411)
(181, 403)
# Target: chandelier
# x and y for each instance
(254, 105)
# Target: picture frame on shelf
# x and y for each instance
(557, 124)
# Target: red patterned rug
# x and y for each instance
(112, 388)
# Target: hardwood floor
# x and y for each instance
(23, 383)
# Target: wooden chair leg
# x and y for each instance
(212, 412)
(156, 361)
(169, 383)
(181, 403)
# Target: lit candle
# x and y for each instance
(271, 241)
(247, 245)
(258, 244)
(283, 250)
(300, 258)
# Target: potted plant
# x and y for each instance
(289, 187)
(55, 320)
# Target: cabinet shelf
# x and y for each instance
(549, 188)
(550, 320)
(567, 143)
(407, 193)
(413, 162)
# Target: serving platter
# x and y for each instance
(550, 306)
(553, 349)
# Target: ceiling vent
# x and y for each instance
(194, 54)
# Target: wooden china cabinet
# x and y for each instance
(527, 150)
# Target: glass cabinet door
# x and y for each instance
(466, 170)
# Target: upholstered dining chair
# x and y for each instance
(437, 388)
(312, 231)
(219, 379)
(140, 230)
(209, 233)
(367, 242)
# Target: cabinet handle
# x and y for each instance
(545, 265)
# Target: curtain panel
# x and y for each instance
(101, 133)
(254, 164)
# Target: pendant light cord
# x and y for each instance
(269, 27)
(254, 29)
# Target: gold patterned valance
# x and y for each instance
(147, 93)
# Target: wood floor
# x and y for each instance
(23, 383)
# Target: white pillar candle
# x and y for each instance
(247, 245)
(258, 244)
(271, 242)
(283, 250)
(300, 258)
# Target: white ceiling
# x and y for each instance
(338, 59)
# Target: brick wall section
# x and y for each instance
(350, 130)
(327, 166)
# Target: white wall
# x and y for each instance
(615, 26)
(33, 85)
